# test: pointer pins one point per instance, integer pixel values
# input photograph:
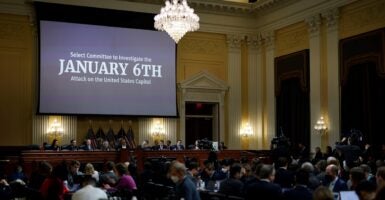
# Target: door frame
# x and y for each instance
(206, 88)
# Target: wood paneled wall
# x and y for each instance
(17, 79)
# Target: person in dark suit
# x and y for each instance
(264, 188)
(303, 153)
(209, 175)
(283, 177)
(108, 177)
(232, 185)
(88, 146)
(168, 145)
(334, 183)
(185, 188)
(122, 144)
(351, 151)
(72, 146)
(179, 146)
(159, 146)
(300, 191)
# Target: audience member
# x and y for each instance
(5, 190)
(264, 188)
(318, 155)
(89, 170)
(323, 193)
(193, 172)
(146, 175)
(300, 191)
(332, 160)
(366, 190)
(209, 175)
(334, 183)
(380, 194)
(283, 177)
(314, 182)
(380, 177)
(125, 180)
(37, 178)
(321, 167)
(18, 175)
(185, 188)
(247, 174)
(108, 177)
(53, 186)
(368, 173)
(303, 153)
(89, 190)
(232, 185)
(356, 175)
(328, 152)
(73, 176)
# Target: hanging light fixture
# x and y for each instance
(176, 18)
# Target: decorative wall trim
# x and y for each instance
(234, 41)
(202, 87)
(269, 114)
(331, 16)
(294, 65)
(314, 23)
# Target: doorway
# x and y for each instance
(201, 122)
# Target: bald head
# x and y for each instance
(332, 170)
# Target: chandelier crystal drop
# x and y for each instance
(176, 18)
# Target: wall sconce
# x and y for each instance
(158, 129)
(320, 126)
(247, 130)
(55, 129)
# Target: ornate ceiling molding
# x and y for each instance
(226, 7)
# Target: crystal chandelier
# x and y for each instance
(176, 18)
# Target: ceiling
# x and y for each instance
(239, 1)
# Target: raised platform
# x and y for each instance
(30, 158)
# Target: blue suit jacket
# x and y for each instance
(340, 185)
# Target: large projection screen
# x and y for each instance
(103, 70)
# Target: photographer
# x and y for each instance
(351, 151)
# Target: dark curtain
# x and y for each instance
(293, 112)
(363, 103)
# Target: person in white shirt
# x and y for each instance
(89, 191)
